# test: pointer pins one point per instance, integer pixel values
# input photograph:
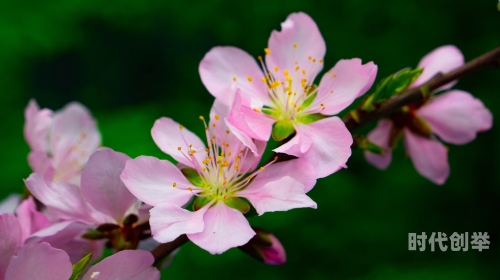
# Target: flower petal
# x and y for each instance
(330, 148)
(225, 228)
(429, 157)
(29, 218)
(170, 135)
(152, 181)
(168, 221)
(63, 200)
(224, 69)
(36, 127)
(39, 261)
(297, 146)
(10, 239)
(380, 135)
(441, 60)
(126, 264)
(299, 43)
(73, 138)
(280, 195)
(346, 81)
(256, 125)
(101, 184)
(9, 204)
(41, 163)
(456, 116)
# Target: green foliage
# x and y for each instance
(79, 267)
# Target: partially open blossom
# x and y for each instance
(265, 247)
(60, 142)
(101, 198)
(454, 116)
(221, 178)
(280, 97)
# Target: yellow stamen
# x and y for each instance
(234, 79)
(267, 51)
(249, 78)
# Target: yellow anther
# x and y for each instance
(249, 78)
(276, 69)
(234, 79)
(295, 45)
(297, 68)
(335, 75)
(225, 196)
(179, 148)
(303, 71)
(298, 109)
(275, 158)
(190, 189)
(314, 60)
(331, 91)
(296, 62)
(330, 71)
(256, 110)
(213, 137)
(285, 72)
(217, 117)
(322, 105)
(229, 153)
(175, 184)
(204, 169)
(263, 79)
(250, 177)
(214, 125)
(225, 182)
(259, 57)
(190, 145)
(309, 58)
(181, 127)
(262, 169)
(267, 51)
(289, 79)
(202, 118)
(321, 61)
(227, 131)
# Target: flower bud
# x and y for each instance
(265, 247)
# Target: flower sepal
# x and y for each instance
(265, 247)
(192, 176)
(282, 129)
(79, 267)
(239, 204)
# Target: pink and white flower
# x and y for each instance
(60, 142)
(282, 93)
(454, 116)
(217, 176)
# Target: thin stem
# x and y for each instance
(165, 249)
(413, 95)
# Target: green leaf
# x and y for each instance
(307, 119)
(239, 204)
(200, 201)
(282, 129)
(192, 176)
(79, 267)
(365, 144)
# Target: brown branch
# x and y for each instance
(413, 95)
(165, 249)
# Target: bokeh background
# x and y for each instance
(132, 62)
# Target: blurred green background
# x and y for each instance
(132, 62)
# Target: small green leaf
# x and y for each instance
(93, 234)
(393, 85)
(282, 129)
(307, 119)
(239, 204)
(79, 267)
(192, 176)
(201, 201)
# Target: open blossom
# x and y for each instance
(219, 176)
(280, 98)
(454, 116)
(60, 142)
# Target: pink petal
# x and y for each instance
(299, 29)
(456, 116)
(36, 127)
(380, 135)
(9, 204)
(169, 137)
(29, 218)
(256, 125)
(41, 163)
(39, 261)
(441, 60)
(281, 195)
(63, 200)
(297, 146)
(73, 138)
(152, 181)
(274, 255)
(126, 264)
(429, 157)
(101, 184)
(298, 169)
(331, 145)
(168, 221)
(225, 228)
(10, 239)
(348, 80)
(222, 65)
(67, 237)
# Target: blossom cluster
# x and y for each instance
(84, 197)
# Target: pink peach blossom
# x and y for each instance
(220, 169)
(282, 92)
(454, 116)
